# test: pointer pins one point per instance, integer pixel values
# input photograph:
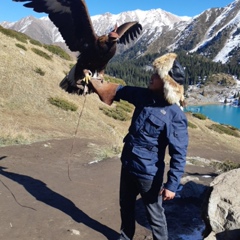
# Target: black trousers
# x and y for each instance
(130, 187)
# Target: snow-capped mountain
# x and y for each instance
(214, 33)
(43, 29)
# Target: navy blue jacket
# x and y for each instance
(155, 125)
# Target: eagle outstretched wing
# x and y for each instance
(73, 21)
(71, 17)
(129, 29)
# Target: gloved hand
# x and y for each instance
(105, 90)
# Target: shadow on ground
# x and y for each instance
(41, 192)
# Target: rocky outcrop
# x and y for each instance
(223, 212)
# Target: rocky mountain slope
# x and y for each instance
(213, 33)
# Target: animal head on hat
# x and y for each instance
(172, 74)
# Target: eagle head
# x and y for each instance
(113, 36)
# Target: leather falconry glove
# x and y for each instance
(105, 90)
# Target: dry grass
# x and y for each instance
(210, 144)
(25, 112)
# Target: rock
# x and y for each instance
(211, 236)
(224, 206)
(74, 232)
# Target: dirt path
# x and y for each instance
(39, 201)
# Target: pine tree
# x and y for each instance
(136, 70)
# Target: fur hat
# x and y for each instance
(173, 76)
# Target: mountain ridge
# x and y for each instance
(213, 33)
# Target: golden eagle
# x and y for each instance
(72, 19)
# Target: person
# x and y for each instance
(158, 122)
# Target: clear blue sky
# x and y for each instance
(14, 11)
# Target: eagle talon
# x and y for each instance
(88, 76)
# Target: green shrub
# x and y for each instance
(120, 112)
(63, 104)
(200, 116)
(191, 125)
(125, 106)
(225, 166)
(39, 71)
(35, 42)
(41, 53)
(113, 113)
(58, 51)
(231, 127)
(221, 128)
(71, 65)
(21, 46)
(14, 34)
(8, 140)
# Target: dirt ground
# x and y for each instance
(55, 190)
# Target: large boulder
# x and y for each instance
(223, 211)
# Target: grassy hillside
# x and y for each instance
(28, 80)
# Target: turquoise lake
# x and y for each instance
(224, 114)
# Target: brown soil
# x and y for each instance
(50, 189)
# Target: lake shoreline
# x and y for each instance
(210, 103)
(221, 113)
(204, 104)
